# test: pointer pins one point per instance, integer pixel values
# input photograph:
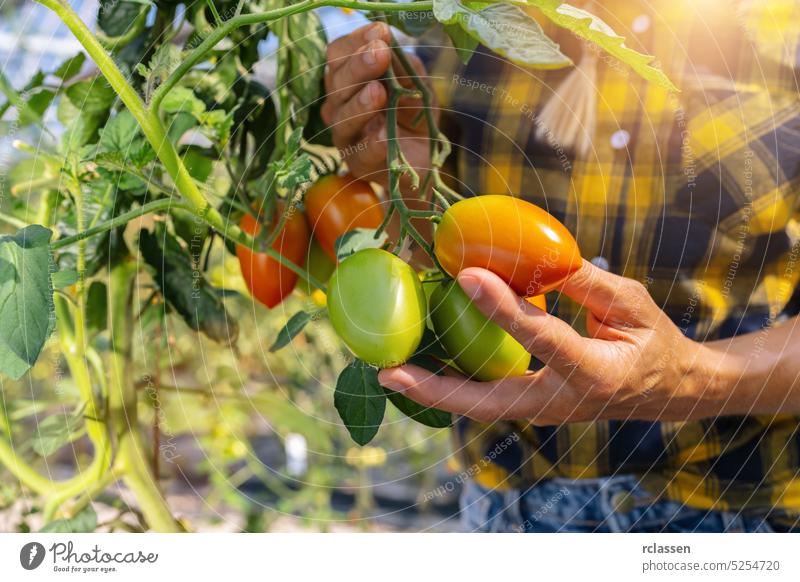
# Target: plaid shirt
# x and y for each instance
(695, 194)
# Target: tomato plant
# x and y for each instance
(336, 205)
(377, 306)
(481, 348)
(527, 247)
(267, 278)
(170, 140)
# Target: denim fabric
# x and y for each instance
(609, 504)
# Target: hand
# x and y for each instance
(636, 364)
(356, 99)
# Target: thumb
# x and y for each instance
(612, 299)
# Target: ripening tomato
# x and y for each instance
(377, 306)
(481, 348)
(318, 264)
(338, 204)
(521, 243)
(268, 280)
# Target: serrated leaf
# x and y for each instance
(288, 332)
(84, 522)
(123, 136)
(182, 99)
(92, 96)
(26, 298)
(591, 28)
(360, 401)
(358, 239)
(505, 29)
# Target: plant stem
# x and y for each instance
(131, 453)
(150, 207)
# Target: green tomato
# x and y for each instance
(377, 307)
(480, 347)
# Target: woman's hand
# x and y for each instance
(354, 107)
(636, 364)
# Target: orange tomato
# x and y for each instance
(270, 281)
(521, 243)
(338, 204)
(539, 301)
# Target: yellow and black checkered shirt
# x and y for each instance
(694, 193)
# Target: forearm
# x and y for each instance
(755, 373)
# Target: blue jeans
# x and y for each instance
(607, 504)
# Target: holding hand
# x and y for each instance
(636, 364)
(356, 99)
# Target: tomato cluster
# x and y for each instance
(380, 307)
(334, 205)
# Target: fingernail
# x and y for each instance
(365, 96)
(471, 286)
(375, 32)
(369, 57)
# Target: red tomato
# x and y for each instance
(521, 243)
(338, 204)
(268, 280)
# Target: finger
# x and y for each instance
(373, 145)
(368, 63)
(351, 117)
(344, 47)
(512, 398)
(548, 338)
(616, 301)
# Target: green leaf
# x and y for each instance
(26, 298)
(411, 22)
(26, 112)
(432, 417)
(182, 99)
(92, 96)
(307, 47)
(116, 17)
(123, 136)
(197, 164)
(57, 430)
(97, 306)
(71, 67)
(165, 60)
(360, 401)
(505, 29)
(464, 44)
(591, 28)
(356, 240)
(185, 288)
(84, 522)
(289, 331)
(65, 278)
